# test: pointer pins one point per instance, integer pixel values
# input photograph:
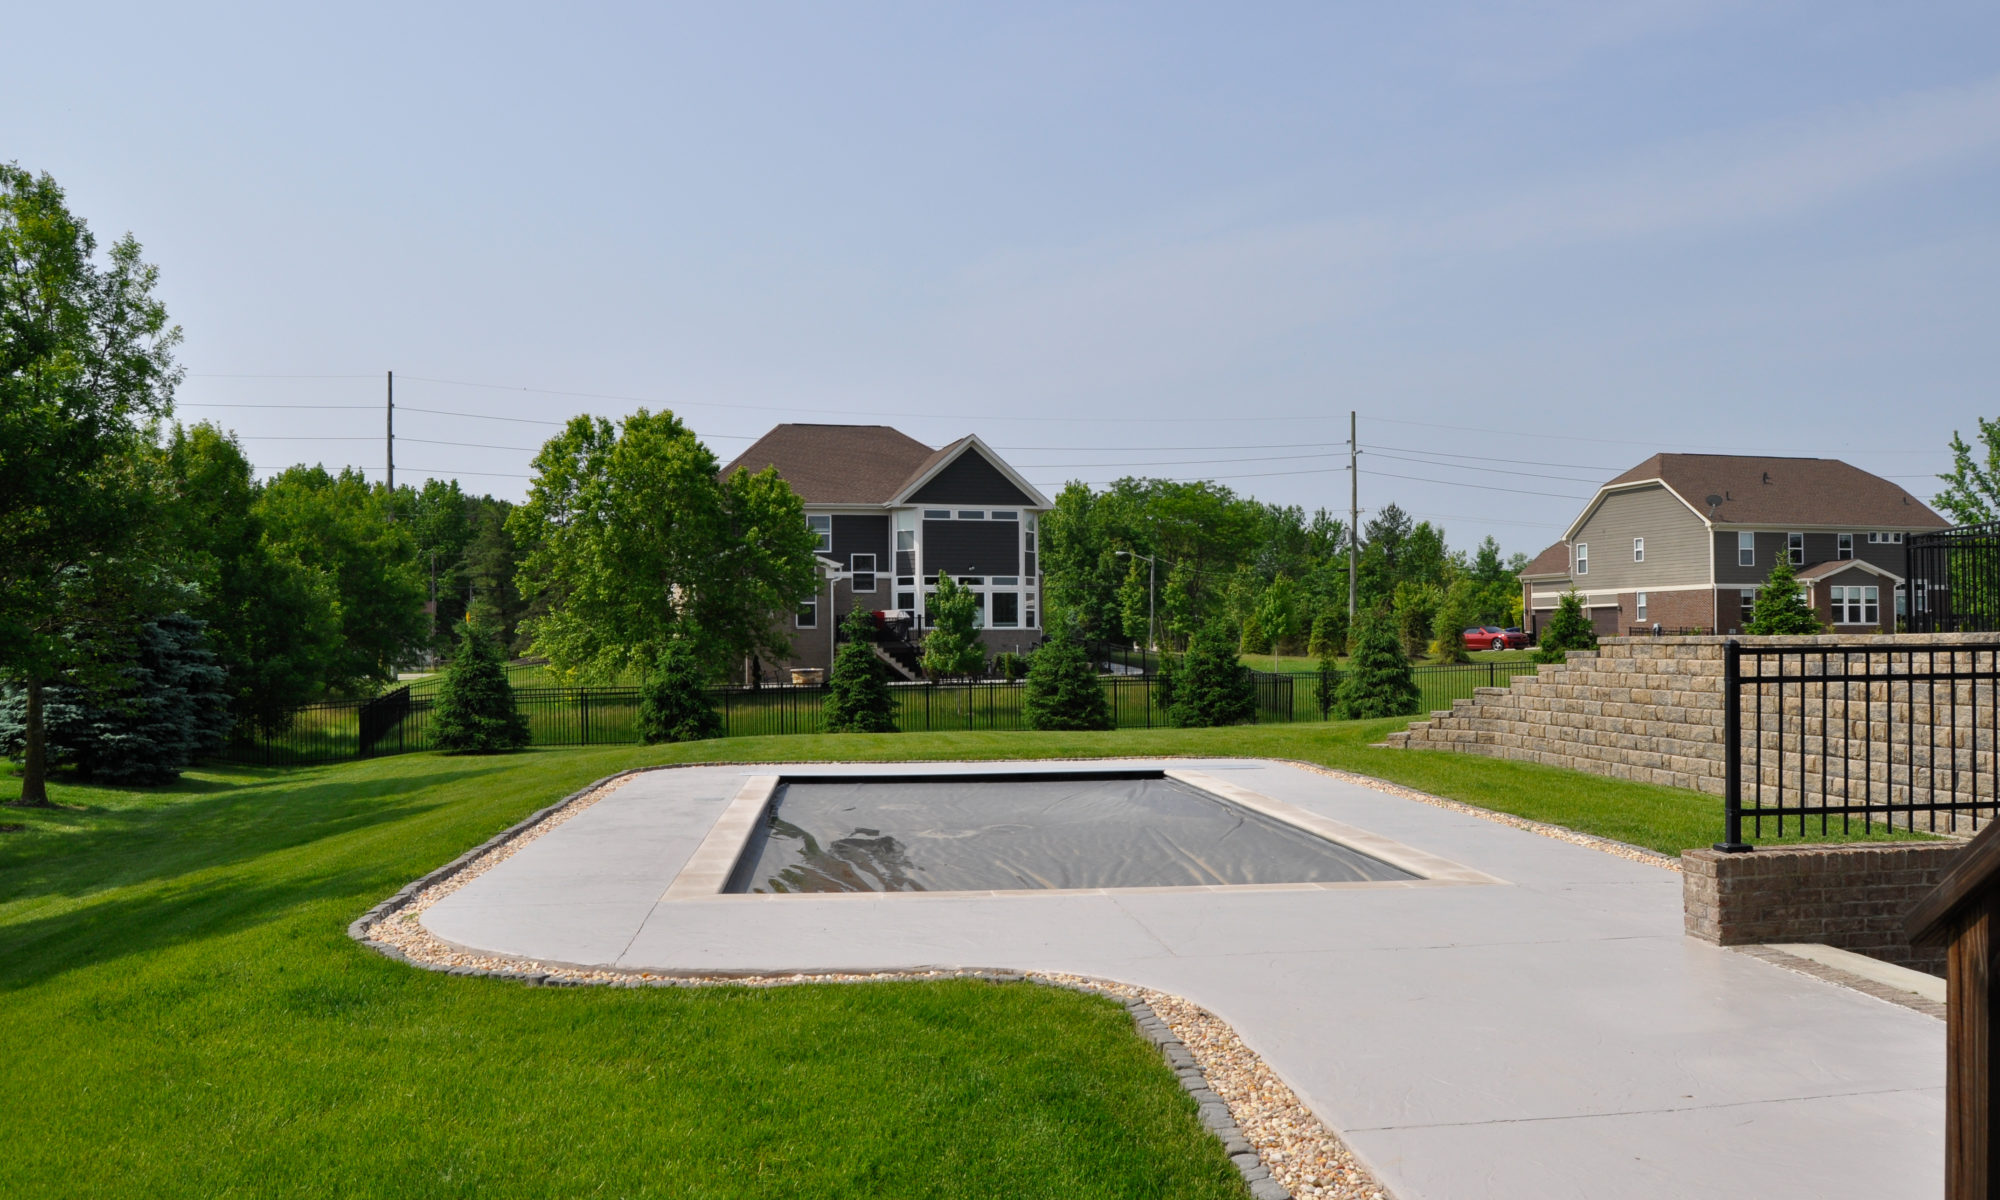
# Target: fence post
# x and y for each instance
(1732, 748)
(583, 706)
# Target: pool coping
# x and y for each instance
(708, 870)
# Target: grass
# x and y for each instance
(185, 1015)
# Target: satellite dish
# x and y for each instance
(1714, 500)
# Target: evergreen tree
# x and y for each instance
(1209, 686)
(1458, 610)
(167, 708)
(1326, 682)
(858, 699)
(1416, 606)
(952, 647)
(1063, 691)
(1781, 606)
(475, 711)
(1378, 681)
(1329, 634)
(1569, 628)
(673, 702)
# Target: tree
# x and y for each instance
(475, 712)
(952, 647)
(438, 517)
(858, 699)
(164, 710)
(674, 705)
(1063, 690)
(1416, 606)
(1209, 685)
(343, 529)
(1569, 628)
(1458, 609)
(1378, 681)
(1329, 634)
(633, 543)
(490, 558)
(1080, 571)
(86, 362)
(1781, 606)
(1972, 488)
(1326, 681)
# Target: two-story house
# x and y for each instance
(1684, 541)
(891, 513)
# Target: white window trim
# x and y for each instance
(1795, 549)
(1843, 547)
(855, 571)
(1638, 549)
(799, 614)
(1582, 558)
(1746, 545)
(821, 524)
(1639, 606)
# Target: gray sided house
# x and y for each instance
(891, 513)
(1683, 541)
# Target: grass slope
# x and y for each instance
(185, 1015)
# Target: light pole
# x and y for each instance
(1152, 638)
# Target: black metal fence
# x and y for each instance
(1953, 580)
(400, 721)
(1816, 738)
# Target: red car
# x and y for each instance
(1492, 637)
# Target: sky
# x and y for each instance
(1528, 244)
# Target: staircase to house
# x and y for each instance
(902, 658)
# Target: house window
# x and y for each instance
(808, 614)
(1638, 549)
(863, 568)
(1854, 605)
(1028, 559)
(906, 601)
(1006, 610)
(1749, 604)
(1642, 606)
(937, 514)
(822, 526)
(1795, 549)
(1583, 558)
(1001, 515)
(1843, 545)
(906, 542)
(971, 514)
(1746, 548)
(1885, 539)
(1028, 622)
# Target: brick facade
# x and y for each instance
(1851, 897)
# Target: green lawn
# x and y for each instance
(186, 1016)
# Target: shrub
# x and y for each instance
(475, 711)
(857, 692)
(1458, 609)
(1329, 635)
(1326, 684)
(1568, 629)
(1209, 686)
(952, 648)
(167, 708)
(1010, 666)
(1781, 606)
(673, 702)
(1378, 681)
(1416, 607)
(1063, 691)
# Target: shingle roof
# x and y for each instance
(839, 464)
(1786, 491)
(1552, 561)
(1834, 566)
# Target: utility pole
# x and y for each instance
(1353, 517)
(392, 432)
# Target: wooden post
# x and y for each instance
(1964, 909)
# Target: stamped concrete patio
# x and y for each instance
(1548, 1034)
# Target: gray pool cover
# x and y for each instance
(878, 835)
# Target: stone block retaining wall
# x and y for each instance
(1853, 897)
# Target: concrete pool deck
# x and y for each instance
(1552, 1034)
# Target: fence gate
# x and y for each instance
(382, 716)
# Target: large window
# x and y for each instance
(1843, 545)
(808, 614)
(1746, 548)
(906, 542)
(863, 569)
(1638, 549)
(822, 526)
(1006, 610)
(1855, 605)
(1583, 558)
(1795, 549)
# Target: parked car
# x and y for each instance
(1492, 637)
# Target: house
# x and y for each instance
(1683, 541)
(891, 513)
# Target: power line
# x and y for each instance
(1484, 487)
(1525, 462)
(1489, 470)
(1182, 462)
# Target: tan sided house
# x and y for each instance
(891, 513)
(1683, 541)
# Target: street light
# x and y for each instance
(1152, 639)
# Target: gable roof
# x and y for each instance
(1552, 561)
(938, 465)
(1836, 566)
(1759, 490)
(838, 464)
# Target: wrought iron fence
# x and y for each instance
(1816, 738)
(1952, 580)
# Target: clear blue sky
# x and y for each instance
(1109, 239)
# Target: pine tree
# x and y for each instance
(1781, 606)
(1063, 690)
(1378, 681)
(1569, 628)
(474, 712)
(1329, 634)
(1209, 686)
(858, 699)
(673, 702)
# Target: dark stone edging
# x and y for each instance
(1213, 1110)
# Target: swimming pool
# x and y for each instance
(1044, 831)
